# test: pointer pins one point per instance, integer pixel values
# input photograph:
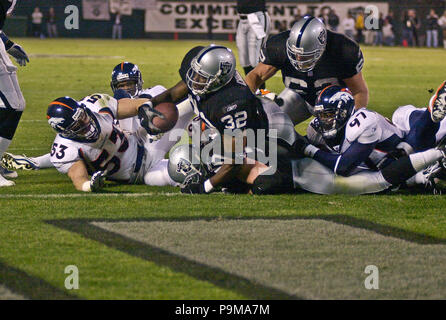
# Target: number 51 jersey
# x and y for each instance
(113, 150)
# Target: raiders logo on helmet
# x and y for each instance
(225, 67)
(322, 37)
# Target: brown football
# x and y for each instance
(170, 111)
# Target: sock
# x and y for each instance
(419, 178)
(403, 169)
(4, 145)
(43, 162)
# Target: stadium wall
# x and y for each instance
(136, 26)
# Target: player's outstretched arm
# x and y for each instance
(128, 108)
(175, 94)
(259, 75)
(359, 89)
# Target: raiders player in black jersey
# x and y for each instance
(310, 58)
(225, 103)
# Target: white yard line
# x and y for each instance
(89, 195)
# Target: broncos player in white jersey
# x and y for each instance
(91, 143)
(347, 140)
(126, 82)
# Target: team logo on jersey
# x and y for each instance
(225, 67)
(56, 123)
(322, 37)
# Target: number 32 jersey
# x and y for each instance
(113, 150)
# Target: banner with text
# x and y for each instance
(124, 7)
(193, 17)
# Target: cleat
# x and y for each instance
(437, 104)
(15, 162)
(435, 178)
(5, 183)
(8, 173)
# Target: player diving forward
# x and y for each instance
(90, 143)
(126, 82)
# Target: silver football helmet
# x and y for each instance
(185, 166)
(211, 69)
(306, 43)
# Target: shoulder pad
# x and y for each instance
(152, 92)
(363, 127)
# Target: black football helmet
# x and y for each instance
(127, 76)
(333, 108)
(72, 120)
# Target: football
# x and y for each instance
(170, 111)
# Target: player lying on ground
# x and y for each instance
(126, 82)
(90, 143)
(226, 104)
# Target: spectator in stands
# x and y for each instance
(36, 20)
(282, 26)
(51, 23)
(388, 35)
(379, 32)
(333, 20)
(432, 29)
(442, 23)
(348, 24)
(359, 26)
(117, 27)
(412, 25)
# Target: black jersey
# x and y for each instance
(4, 7)
(232, 107)
(250, 6)
(342, 59)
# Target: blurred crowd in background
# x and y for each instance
(414, 31)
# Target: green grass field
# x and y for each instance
(138, 242)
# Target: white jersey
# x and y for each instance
(366, 127)
(114, 150)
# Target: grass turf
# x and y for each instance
(36, 248)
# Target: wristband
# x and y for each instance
(86, 187)
(311, 150)
(208, 187)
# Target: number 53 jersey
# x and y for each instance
(113, 150)
(365, 127)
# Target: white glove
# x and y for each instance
(97, 181)
(19, 54)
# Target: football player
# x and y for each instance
(225, 103)
(310, 58)
(295, 175)
(126, 82)
(252, 32)
(12, 102)
(90, 143)
(348, 140)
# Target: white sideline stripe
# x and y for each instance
(89, 195)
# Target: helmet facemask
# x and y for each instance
(200, 82)
(301, 60)
(329, 122)
(82, 128)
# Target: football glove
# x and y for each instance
(97, 181)
(18, 54)
(146, 113)
(300, 144)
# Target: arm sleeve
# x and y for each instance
(274, 52)
(343, 164)
(352, 59)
